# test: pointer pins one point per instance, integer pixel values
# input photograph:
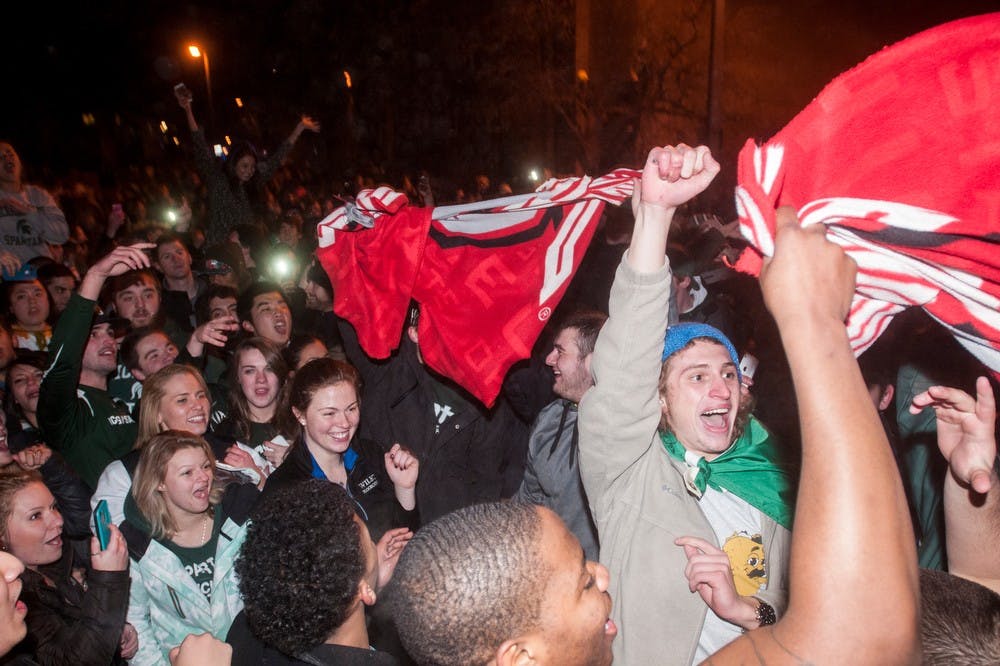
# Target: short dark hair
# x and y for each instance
(588, 324)
(293, 350)
(126, 280)
(245, 302)
(467, 582)
(202, 309)
(53, 270)
(128, 351)
(300, 565)
(959, 621)
(168, 237)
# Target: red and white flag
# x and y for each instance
(487, 274)
(900, 159)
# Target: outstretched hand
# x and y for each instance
(309, 123)
(673, 175)
(965, 430)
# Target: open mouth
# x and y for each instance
(201, 493)
(716, 419)
(55, 542)
(281, 326)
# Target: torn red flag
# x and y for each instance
(487, 275)
(900, 159)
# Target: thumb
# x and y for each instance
(980, 481)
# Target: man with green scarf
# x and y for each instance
(692, 511)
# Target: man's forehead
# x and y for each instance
(701, 352)
(268, 298)
(222, 302)
(568, 335)
(141, 284)
(152, 339)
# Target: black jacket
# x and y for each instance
(249, 651)
(367, 482)
(478, 455)
(70, 625)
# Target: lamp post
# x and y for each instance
(198, 52)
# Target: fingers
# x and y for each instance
(986, 408)
(698, 543)
(947, 397)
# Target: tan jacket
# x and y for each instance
(636, 490)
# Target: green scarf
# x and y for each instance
(747, 469)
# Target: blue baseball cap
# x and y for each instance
(680, 335)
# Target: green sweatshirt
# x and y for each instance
(86, 425)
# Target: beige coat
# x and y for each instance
(636, 490)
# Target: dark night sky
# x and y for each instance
(114, 56)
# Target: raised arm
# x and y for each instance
(266, 168)
(965, 428)
(619, 415)
(851, 504)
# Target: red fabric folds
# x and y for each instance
(900, 159)
(487, 275)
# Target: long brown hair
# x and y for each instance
(311, 377)
(152, 471)
(240, 406)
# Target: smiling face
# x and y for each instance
(154, 352)
(12, 610)
(576, 627)
(317, 297)
(185, 405)
(23, 381)
(187, 482)
(245, 168)
(270, 318)
(702, 397)
(571, 369)
(33, 533)
(139, 302)
(331, 418)
(258, 381)
(101, 353)
(29, 304)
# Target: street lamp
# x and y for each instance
(198, 52)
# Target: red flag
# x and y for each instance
(900, 159)
(487, 275)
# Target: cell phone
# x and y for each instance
(102, 520)
(182, 90)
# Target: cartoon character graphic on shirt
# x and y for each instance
(748, 562)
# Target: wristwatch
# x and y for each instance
(765, 613)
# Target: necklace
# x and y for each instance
(204, 530)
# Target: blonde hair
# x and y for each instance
(153, 395)
(151, 472)
(13, 481)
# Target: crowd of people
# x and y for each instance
(200, 464)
